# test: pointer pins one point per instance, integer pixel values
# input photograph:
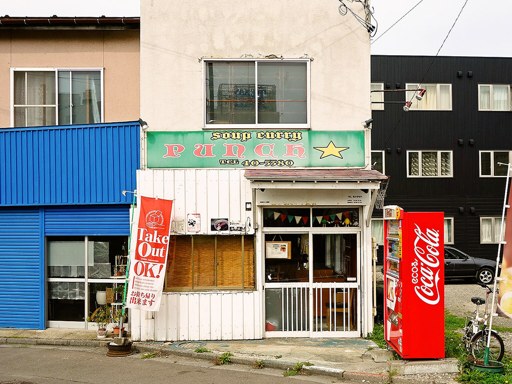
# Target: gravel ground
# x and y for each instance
(458, 302)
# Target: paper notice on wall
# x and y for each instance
(149, 256)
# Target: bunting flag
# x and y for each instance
(345, 218)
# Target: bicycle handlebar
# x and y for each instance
(489, 289)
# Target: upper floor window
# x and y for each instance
(429, 164)
(378, 161)
(490, 163)
(282, 96)
(494, 97)
(377, 96)
(490, 230)
(438, 97)
(56, 97)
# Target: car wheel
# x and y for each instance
(485, 276)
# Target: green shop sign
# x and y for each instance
(258, 148)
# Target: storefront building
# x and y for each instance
(254, 130)
(64, 220)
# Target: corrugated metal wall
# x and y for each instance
(21, 269)
(87, 221)
(79, 164)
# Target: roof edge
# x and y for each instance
(57, 22)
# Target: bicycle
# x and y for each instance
(476, 331)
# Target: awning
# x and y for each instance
(319, 179)
(315, 178)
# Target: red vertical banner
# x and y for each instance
(148, 257)
(505, 296)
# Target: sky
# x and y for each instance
(481, 30)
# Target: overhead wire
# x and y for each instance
(396, 22)
(365, 22)
(429, 67)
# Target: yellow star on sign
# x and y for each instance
(331, 150)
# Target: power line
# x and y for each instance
(430, 65)
(396, 22)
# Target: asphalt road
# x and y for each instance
(58, 365)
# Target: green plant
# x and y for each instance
(101, 316)
(377, 336)
(259, 364)
(201, 350)
(391, 374)
(468, 375)
(225, 358)
(149, 355)
(298, 369)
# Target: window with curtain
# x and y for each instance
(210, 262)
(378, 230)
(377, 97)
(438, 97)
(491, 163)
(490, 230)
(494, 97)
(429, 164)
(448, 230)
(57, 97)
(281, 96)
(378, 161)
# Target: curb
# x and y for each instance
(402, 368)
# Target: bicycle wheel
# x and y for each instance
(479, 343)
(468, 335)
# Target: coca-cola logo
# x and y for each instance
(426, 267)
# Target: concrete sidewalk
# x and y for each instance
(347, 359)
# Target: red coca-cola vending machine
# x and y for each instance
(414, 282)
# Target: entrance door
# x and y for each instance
(311, 283)
(334, 286)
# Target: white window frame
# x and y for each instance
(491, 106)
(259, 125)
(449, 237)
(493, 162)
(383, 160)
(55, 70)
(439, 175)
(411, 92)
(377, 98)
(495, 224)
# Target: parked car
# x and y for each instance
(459, 265)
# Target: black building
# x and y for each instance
(443, 154)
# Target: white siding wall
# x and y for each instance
(224, 315)
(201, 316)
(213, 193)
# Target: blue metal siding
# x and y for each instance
(21, 269)
(87, 221)
(77, 164)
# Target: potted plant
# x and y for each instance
(116, 318)
(101, 316)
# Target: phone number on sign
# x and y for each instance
(257, 163)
